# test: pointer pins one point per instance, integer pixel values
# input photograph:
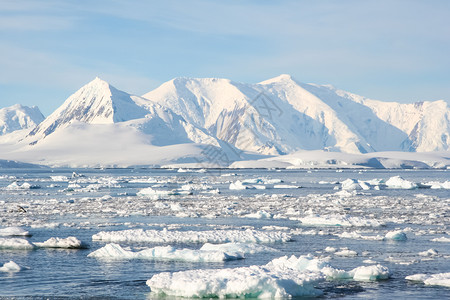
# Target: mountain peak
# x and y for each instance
(280, 78)
(96, 103)
(19, 117)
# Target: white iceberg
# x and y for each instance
(115, 251)
(261, 214)
(339, 220)
(10, 267)
(161, 194)
(15, 244)
(370, 273)
(14, 231)
(441, 279)
(442, 239)
(25, 186)
(396, 235)
(238, 185)
(284, 277)
(67, 243)
(208, 236)
(242, 248)
(398, 182)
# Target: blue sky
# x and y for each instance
(387, 50)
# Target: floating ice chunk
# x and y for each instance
(25, 186)
(439, 185)
(59, 178)
(346, 252)
(160, 194)
(15, 244)
(274, 280)
(10, 267)
(339, 220)
(396, 235)
(67, 243)
(398, 182)
(209, 236)
(261, 214)
(350, 185)
(370, 273)
(242, 248)
(195, 187)
(115, 251)
(330, 249)
(272, 181)
(442, 279)
(358, 236)
(429, 252)
(286, 186)
(238, 185)
(252, 181)
(14, 231)
(441, 239)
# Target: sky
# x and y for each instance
(386, 50)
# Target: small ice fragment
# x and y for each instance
(67, 243)
(396, 235)
(14, 231)
(441, 279)
(10, 267)
(370, 273)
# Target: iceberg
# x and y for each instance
(396, 235)
(339, 220)
(398, 182)
(10, 267)
(370, 273)
(283, 277)
(14, 231)
(115, 251)
(67, 243)
(242, 248)
(208, 236)
(441, 279)
(15, 244)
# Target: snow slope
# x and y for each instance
(18, 117)
(281, 115)
(208, 122)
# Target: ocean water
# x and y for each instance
(84, 202)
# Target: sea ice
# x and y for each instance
(67, 243)
(25, 186)
(370, 273)
(115, 251)
(15, 244)
(398, 182)
(396, 235)
(14, 231)
(243, 248)
(261, 214)
(238, 185)
(10, 267)
(442, 279)
(209, 236)
(339, 220)
(442, 239)
(161, 194)
(283, 277)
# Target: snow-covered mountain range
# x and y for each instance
(18, 117)
(187, 117)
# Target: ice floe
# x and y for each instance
(338, 220)
(115, 251)
(242, 248)
(25, 186)
(442, 239)
(208, 236)
(261, 214)
(10, 267)
(396, 235)
(397, 182)
(15, 244)
(66, 243)
(370, 273)
(441, 279)
(283, 277)
(14, 231)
